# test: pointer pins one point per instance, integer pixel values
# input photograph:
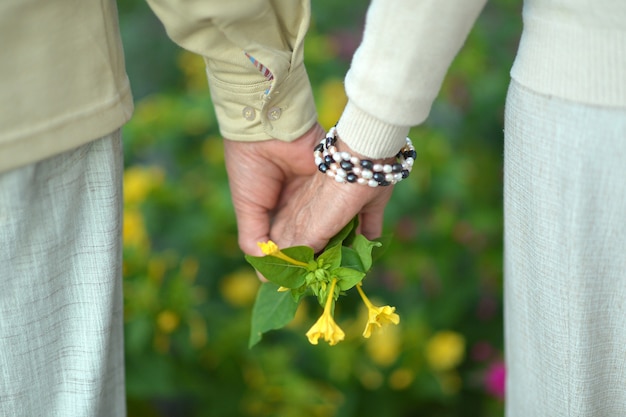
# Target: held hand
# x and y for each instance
(262, 177)
(320, 207)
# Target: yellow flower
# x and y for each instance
(168, 321)
(134, 230)
(325, 326)
(445, 350)
(193, 67)
(139, 181)
(377, 316)
(332, 101)
(384, 347)
(270, 248)
(240, 287)
(401, 378)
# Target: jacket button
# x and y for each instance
(248, 113)
(274, 113)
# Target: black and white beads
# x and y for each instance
(347, 168)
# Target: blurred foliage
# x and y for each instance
(189, 292)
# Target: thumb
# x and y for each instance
(253, 224)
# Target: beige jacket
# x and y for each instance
(62, 77)
(63, 83)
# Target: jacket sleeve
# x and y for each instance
(253, 51)
(398, 69)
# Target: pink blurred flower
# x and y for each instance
(495, 378)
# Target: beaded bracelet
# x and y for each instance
(347, 168)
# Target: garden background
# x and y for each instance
(189, 292)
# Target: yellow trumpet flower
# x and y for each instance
(325, 326)
(377, 316)
(270, 248)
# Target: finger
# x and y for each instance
(371, 223)
(254, 201)
(253, 226)
(314, 214)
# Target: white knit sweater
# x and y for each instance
(573, 49)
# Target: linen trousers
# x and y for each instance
(61, 314)
(565, 257)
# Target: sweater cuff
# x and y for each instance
(369, 136)
(247, 111)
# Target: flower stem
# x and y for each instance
(331, 294)
(366, 300)
(289, 259)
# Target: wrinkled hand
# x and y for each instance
(320, 207)
(263, 176)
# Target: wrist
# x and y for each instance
(368, 135)
(332, 160)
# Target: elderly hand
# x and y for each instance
(263, 177)
(320, 207)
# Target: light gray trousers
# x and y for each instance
(565, 257)
(61, 316)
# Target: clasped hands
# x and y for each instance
(279, 194)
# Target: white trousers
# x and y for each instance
(61, 315)
(565, 257)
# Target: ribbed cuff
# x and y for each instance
(369, 136)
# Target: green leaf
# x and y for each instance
(347, 277)
(272, 310)
(331, 256)
(385, 244)
(343, 233)
(364, 247)
(282, 272)
(351, 259)
(298, 293)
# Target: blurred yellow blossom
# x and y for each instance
(168, 321)
(192, 65)
(377, 316)
(325, 326)
(384, 347)
(240, 287)
(332, 101)
(401, 378)
(139, 181)
(445, 350)
(134, 231)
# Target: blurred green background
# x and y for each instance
(189, 292)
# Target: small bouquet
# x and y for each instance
(296, 272)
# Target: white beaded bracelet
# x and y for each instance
(347, 168)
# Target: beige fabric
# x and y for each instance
(565, 250)
(62, 77)
(270, 31)
(61, 315)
